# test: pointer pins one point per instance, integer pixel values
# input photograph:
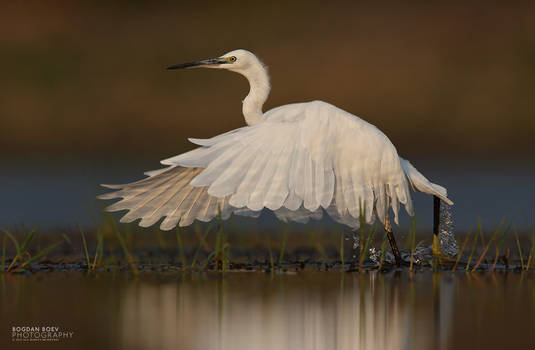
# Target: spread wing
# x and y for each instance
(302, 158)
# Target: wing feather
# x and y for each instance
(137, 197)
(278, 190)
(249, 182)
(193, 208)
(140, 207)
(302, 159)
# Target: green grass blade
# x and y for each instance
(283, 248)
(218, 245)
(408, 240)
(487, 246)
(482, 235)
(41, 254)
(85, 248)
(201, 239)
(503, 236)
(14, 240)
(412, 236)
(460, 254)
(27, 241)
(498, 229)
(161, 240)
(362, 229)
(271, 263)
(499, 244)
(225, 260)
(218, 253)
(474, 243)
(321, 250)
(17, 247)
(519, 250)
(66, 238)
(208, 258)
(99, 251)
(126, 252)
(367, 245)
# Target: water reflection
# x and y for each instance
(316, 311)
(261, 311)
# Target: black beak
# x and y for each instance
(198, 64)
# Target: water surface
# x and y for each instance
(309, 310)
(58, 193)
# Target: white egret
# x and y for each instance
(297, 160)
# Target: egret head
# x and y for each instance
(248, 65)
(238, 61)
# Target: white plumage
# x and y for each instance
(297, 160)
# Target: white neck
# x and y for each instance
(258, 79)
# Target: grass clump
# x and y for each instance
(85, 248)
(271, 263)
(412, 242)
(499, 244)
(220, 252)
(126, 252)
(519, 251)
(460, 254)
(364, 241)
(99, 252)
(202, 242)
(22, 251)
(365, 249)
(474, 244)
(15, 251)
(487, 246)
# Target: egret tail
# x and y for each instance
(420, 183)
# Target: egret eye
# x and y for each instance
(233, 59)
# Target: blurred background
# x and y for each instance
(85, 98)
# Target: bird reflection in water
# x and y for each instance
(309, 311)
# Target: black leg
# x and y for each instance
(436, 223)
(393, 245)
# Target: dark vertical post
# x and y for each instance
(436, 224)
